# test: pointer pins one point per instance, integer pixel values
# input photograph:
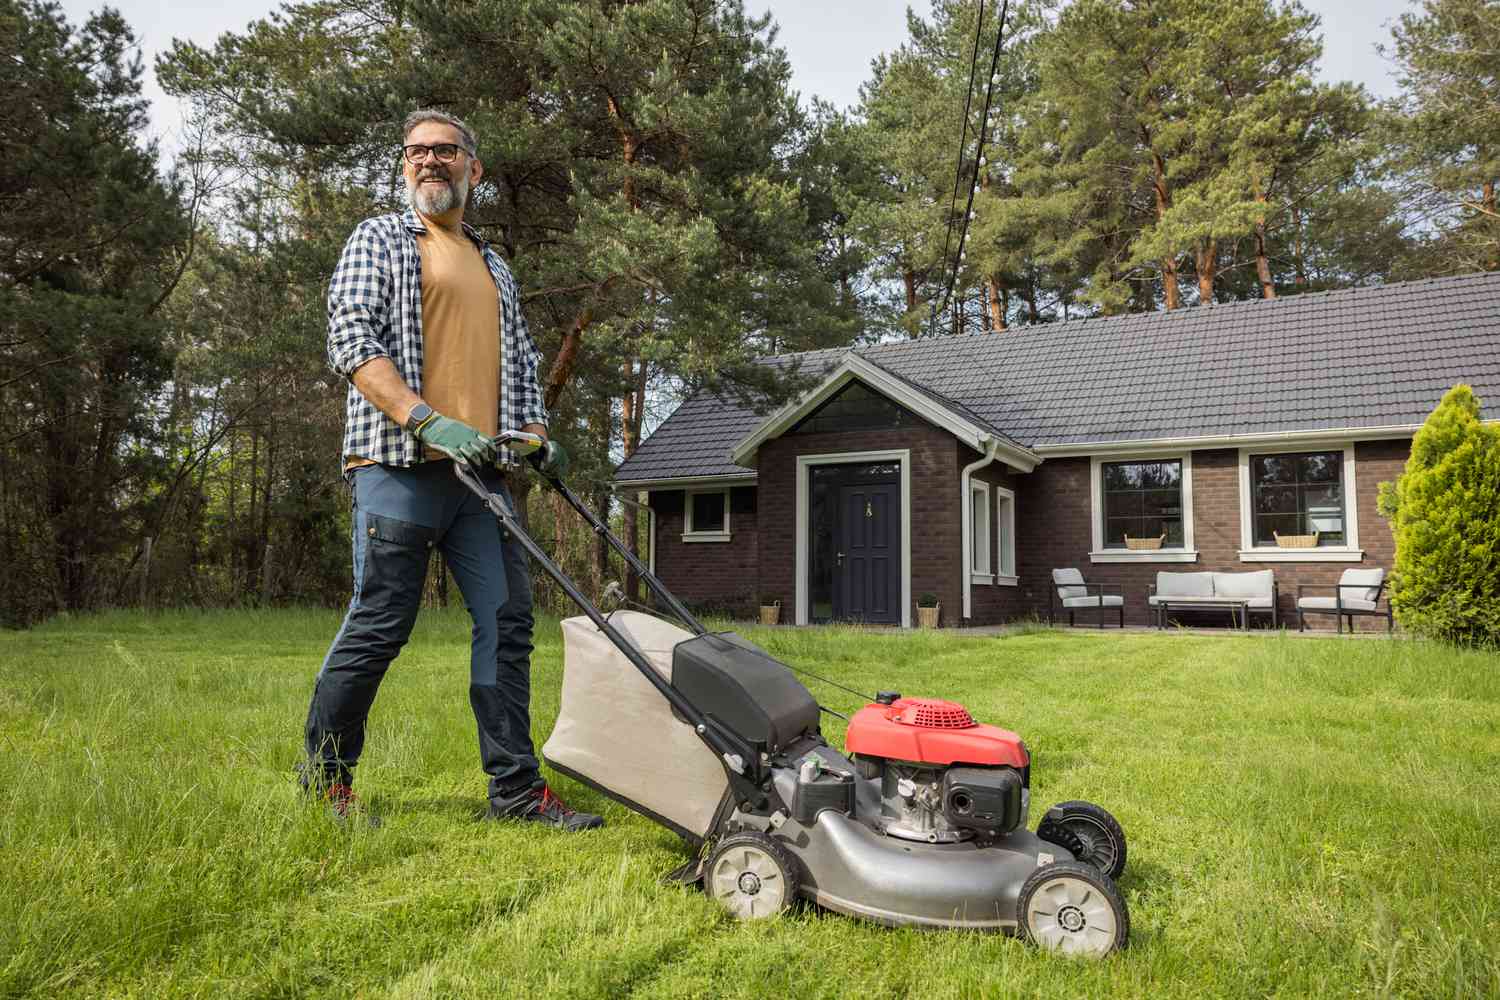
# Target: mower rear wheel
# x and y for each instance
(752, 876)
(1099, 833)
(1072, 908)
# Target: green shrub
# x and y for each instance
(1445, 516)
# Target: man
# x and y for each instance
(424, 319)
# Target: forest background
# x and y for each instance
(674, 214)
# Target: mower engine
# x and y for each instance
(943, 777)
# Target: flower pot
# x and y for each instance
(770, 614)
(928, 617)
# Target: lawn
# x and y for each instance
(1306, 818)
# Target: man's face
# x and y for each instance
(433, 186)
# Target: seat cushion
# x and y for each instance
(1110, 601)
(1328, 604)
(1069, 583)
(1255, 584)
(1185, 584)
(1371, 578)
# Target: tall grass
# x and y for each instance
(1305, 818)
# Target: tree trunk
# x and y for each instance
(909, 279)
(1263, 263)
(1297, 258)
(1164, 202)
(632, 413)
(1207, 258)
(997, 309)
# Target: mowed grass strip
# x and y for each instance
(1306, 817)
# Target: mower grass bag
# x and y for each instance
(616, 733)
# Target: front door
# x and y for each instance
(855, 529)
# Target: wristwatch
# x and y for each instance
(419, 415)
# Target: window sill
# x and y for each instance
(1144, 556)
(706, 536)
(983, 578)
(1329, 554)
(1004, 580)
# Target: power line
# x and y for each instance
(984, 124)
(963, 140)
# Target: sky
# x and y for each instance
(830, 42)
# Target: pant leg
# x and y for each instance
(493, 575)
(393, 537)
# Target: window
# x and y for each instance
(1298, 494)
(1005, 536)
(856, 407)
(706, 517)
(1142, 499)
(979, 531)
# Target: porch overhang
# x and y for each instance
(853, 368)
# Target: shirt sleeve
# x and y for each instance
(359, 302)
(526, 379)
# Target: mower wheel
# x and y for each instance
(1092, 827)
(752, 876)
(1073, 908)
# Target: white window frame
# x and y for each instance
(690, 535)
(803, 559)
(979, 523)
(1348, 552)
(1005, 527)
(1099, 554)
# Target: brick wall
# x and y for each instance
(1054, 522)
(715, 574)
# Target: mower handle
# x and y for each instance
(520, 442)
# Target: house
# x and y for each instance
(971, 466)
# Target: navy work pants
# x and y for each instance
(399, 516)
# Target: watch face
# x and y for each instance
(418, 413)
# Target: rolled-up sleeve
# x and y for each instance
(359, 302)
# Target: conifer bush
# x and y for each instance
(1444, 512)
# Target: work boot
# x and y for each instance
(540, 805)
(343, 805)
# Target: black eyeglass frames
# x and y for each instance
(446, 152)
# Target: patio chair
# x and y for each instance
(1357, 593)
(1071, 591)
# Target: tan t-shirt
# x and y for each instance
(460, 334)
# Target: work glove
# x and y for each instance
(457, 440)
(550, 459)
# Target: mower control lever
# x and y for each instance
(520, 442)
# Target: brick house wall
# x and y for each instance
(719, 576)
(1053, 529)
(1054, 521)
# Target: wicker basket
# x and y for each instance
(770, 614)
(1144, 543)
(1296, 541)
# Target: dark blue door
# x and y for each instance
(867, 575)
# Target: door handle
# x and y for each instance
(838, 558)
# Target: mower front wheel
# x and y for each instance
(1073, 908)
(1090, 832)
(752, 876)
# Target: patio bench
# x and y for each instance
(1241, 593)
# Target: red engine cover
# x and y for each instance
(930, 731)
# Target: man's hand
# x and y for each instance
(550, 459)
(456, 440)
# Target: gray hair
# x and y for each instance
(466, 134)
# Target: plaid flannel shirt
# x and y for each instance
(375, 311)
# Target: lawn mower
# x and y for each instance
(921, 821)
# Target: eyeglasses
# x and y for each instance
(446, 152)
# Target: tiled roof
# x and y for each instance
(1360, 357)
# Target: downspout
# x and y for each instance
(966, 504)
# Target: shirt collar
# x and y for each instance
(414, 223)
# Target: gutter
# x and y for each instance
(991, 450)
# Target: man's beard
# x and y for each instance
(435, 202)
